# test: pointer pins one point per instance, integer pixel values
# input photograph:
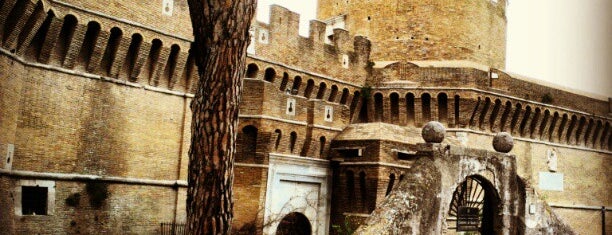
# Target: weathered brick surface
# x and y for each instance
(123, 109)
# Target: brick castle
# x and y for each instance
(95, 118)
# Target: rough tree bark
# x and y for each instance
(221, 36)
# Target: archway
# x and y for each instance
(294, 224)
(476, 207)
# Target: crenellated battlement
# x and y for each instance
(336, 54)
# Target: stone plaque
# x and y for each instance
(551, 181)
(329, 113)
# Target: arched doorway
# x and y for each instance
(476, 207)
(294, 224)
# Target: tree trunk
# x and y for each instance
(221, 36)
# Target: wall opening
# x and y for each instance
(354, 102)
(344, 97)
(483, 113)
(292, 140)
(132, 56)
(534, 122)
(34, 200)
(111, 49)
(294, 224)
(270, 75)
(553, 123)
(378, 107)
(252, 71)
(562, 127)
(526, 116)
(476, 207)
(494, 114)
(517, 112)
(322, 147)
(297, 82)
(410, 108)
(89, 43)
(65, 37)
(279, 134)
(426, 107)
(154, 52)
(247, 143)
(284, 82)
(570, 129)
(504, 117)
(322, 89)
(457, 108)
(543, 124)
(171, 64)
(443, 108)
(333, 94)
(394, 99)
(363, 188)
(309, 88)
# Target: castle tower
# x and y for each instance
(426, 30)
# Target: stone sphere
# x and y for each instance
(433, 132)
(503, 142)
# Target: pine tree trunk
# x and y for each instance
(221, 36)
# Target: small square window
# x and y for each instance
(34, 200)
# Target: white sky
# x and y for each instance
(567, 42)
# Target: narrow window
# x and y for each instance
(292, 141)
(364, 190)
(65, 37)
(410, 108)
(443, 108)
(394, 98)
(322, 146)
(457, 100)
(426, 107)
(279, 134)
(378, 106)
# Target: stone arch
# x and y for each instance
(309, 88)
(175, 49)
(294, 223)
(322, 89)
(297, 82)
(89, 43)
(284, 82)
(252, 70)
(112, 46)
(132, 56)
(270, 75)
(65, 37)
(154, 52)
(333, 93)
(476, 200)
(344, 97)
